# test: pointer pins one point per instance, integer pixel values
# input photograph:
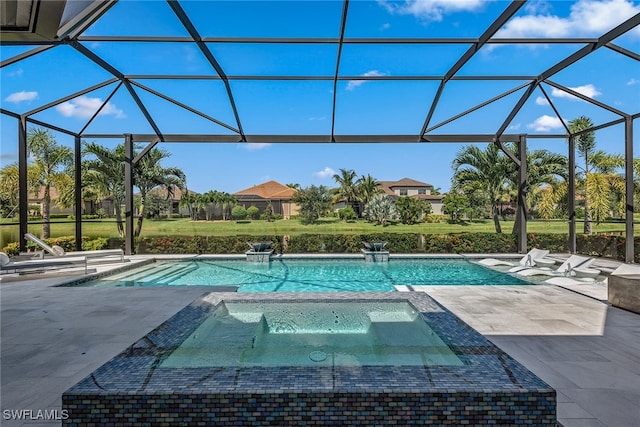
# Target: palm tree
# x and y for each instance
(149, 174)
(347, 190)
(9, 182)
(543, 168)
(104, 173)
(585, 146)
(486, 168)
(226, 201)
(598, 174)
(50, 161)
(367, 187)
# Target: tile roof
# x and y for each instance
(406, 182)
(268, 190)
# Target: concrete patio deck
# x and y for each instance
(589, 351)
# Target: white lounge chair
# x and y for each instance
(621, 270)
(527, 261)
(567, 268)
(8, 266)
(57, 251)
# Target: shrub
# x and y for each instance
(347, 213)
(381, 210)
(238, 212)
(436, 218)
(253, 212)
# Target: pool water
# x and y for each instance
(286, 275)
(312, 334)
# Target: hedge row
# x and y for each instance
(594, 245)
(609, 246)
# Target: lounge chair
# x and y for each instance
(57, 251)
(527, 261)
(621, 270)
(8, 266)
(567, 268)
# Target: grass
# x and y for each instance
(186, 227)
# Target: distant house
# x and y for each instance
(173, 198)
(412, 188)
(36, 203)
(269, 192)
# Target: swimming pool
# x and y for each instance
(297, 275)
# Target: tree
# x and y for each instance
(226, 200)
(314, 202)
(603, 188)
(347, 190)
(188, 200)
(104, 173)
(412, 209)
(543, 168)
(456, 205)
(485, 168)
(268, 212)
(381, 210)
(9, 183)
(150, 174)
(50, 160)
(585, 146)
(367, 187)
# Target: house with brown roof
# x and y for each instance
(412, 188)
(269, 192)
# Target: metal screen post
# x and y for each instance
(128, 193)
(23, 193)
(522, 195)
(572, 195)
(78, 192)
(628, 153)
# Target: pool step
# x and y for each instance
(171, 277)
(149, 273)
(160, 274)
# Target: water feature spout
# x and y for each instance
(259, 246)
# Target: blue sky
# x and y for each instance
(304, 107)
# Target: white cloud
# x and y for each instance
(22, 96)
(587, 17)
(431, 10)
(17, 73)
(545, 123)
(541, 100)
(253, 146)
(385, 26)
(586, 90)
(84, 107)
(356, 83)
(633, 82)
(325, 173)
(515, 126)
(317, 119)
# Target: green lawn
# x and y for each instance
(186, 227)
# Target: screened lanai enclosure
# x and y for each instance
(229, 72)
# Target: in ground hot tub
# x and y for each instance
(312, 359)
